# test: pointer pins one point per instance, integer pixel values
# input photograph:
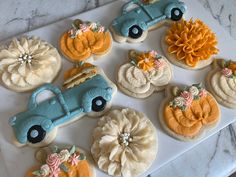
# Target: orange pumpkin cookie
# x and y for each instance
(67, 162)
(188, 113)
(221, 82)
(190, 44)
(84, 40)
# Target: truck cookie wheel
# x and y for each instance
(176, 14)
(36, 134)
(98, 104)
(135, 31)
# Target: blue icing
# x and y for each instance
(145, 15)
(61, 108)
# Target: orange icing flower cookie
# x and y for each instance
(67, 162)
(190, 44)
(221, 82)
(145, 73)
(188, 113)
(84, 40)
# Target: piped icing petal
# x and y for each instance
(147, 72)
(25, 57)
(84, 40)
(127, 157)
(191, 42)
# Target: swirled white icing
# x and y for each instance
(137, 81)
(27, 63)
(224, 88)
(124, 143)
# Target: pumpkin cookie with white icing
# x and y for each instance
(146, 73)
(124, 143)
(221, 81)
(27, 63)
(187, 114)
(85, 40)
(66, 162)
(190, 44)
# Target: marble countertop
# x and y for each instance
(215, 157)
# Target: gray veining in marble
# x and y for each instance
(215, 157)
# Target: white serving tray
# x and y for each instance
(18, 161)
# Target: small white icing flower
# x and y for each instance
(194, 90)
(44, 170)
(27, 63)
(64, 155)
(179, 101)
(93, 25)
(101, 29)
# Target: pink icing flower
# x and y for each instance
(188, 98)
(101, 29)
(226, 72)
(153, 53)
(203, 93)
(83, 27)
(53, 161)
(74, 159)
(158, 64)
(55, 172)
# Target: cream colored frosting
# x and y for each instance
(27, 63)
(224, 87)
(138, 81)
(120, 155)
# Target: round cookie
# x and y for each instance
(62, 162)
(86, 40)
(146, 73)
(124, 143)
(139, 17)
(221, 82)
(187, 114)
(189, 44)
(27, 63)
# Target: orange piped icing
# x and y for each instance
(191, 41)
(85, 43)
(232, 66)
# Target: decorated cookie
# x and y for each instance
(140, 16)
(27, 63)
(37, 126)
(66, 162)
(221, 82)
(85, 40)
(145, 73)
(188, 113)
(190, 44)
(124, 143)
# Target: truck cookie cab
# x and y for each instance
(41, 120)
(143, 16)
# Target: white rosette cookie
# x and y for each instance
(27, 63)
(146, 73)
(124, 143)
(221, 82)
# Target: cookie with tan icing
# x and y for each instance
(145, 73)
(27, 63)
(124, 143)
(221, 82)
(190, 44)
(62, 162)
(188, 113)
(85, 40)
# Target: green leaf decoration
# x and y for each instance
(55, 149)
(72, 150)
(64, 168)
(133, 62)
(37, 173)
(82, 157)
